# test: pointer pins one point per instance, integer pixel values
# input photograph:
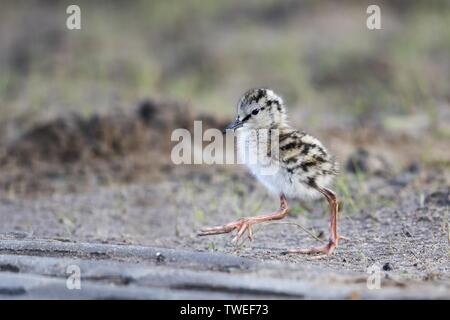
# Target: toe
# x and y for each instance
(250, 233)
(240, 233)
(214, 230)
(328, 250)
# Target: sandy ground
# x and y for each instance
(397, 220)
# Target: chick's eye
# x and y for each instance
(255, 112)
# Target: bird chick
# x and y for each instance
(291, 164)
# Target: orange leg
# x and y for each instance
(244, 224)
(334, 236)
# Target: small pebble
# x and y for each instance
(414, 167)
(160, 257)
(387, 266)
(407, 233)
(438, 198)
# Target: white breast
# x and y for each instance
(276, 179)
(261, 166)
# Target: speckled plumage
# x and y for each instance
(301, 163)
(288, 162)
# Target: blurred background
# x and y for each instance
(86, 117)
(318, 54)
(333, 72)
